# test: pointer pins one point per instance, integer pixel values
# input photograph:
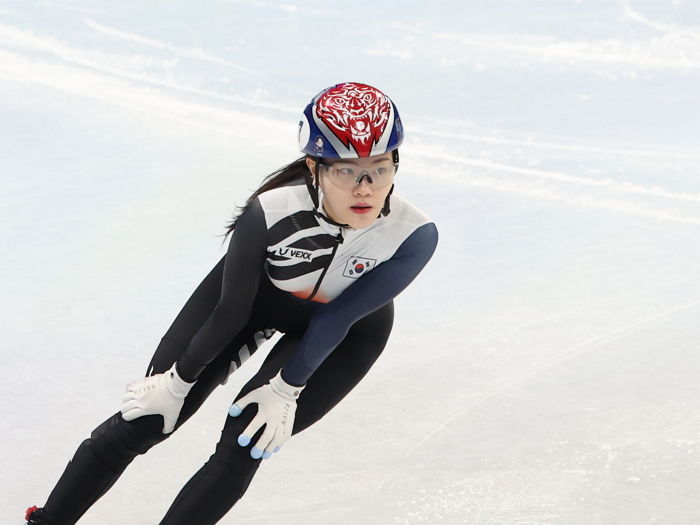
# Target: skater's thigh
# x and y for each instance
(334, 379)
(344, 367)
(241, 347)
(148, 429)
(145, 431)
(227, 450)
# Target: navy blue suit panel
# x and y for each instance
(330, 324)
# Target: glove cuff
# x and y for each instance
(177, 386)
(282, 388)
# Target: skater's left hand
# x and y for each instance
(159, 394)
(277, 405)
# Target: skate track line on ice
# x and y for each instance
(615, 205)
(558, 146)
(666, 52)
(558, 176)
(77, 56)
(547, 364)
(610, 451)
(629, 12)
(113, 91)
(80, 82)
(459, 341)
(197, 54)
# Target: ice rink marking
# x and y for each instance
(548, 363)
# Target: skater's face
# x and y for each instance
(354, 190)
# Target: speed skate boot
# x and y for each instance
(36, 516)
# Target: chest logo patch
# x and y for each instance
(358, 266)
(295, 253)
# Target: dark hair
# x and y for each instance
(292, 173)
(297, 172)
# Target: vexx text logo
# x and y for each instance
(295, 253)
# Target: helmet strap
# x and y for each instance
(386, 210)
(312, 184)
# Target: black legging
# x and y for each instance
(214, 489)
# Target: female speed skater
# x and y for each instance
(318, 253)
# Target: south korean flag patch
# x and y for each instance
(358, 266)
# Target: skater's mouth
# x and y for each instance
(361, 208)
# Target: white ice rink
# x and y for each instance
(545, 367)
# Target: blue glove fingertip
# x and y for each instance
(256, 453)
(277, 449)
(243, 441)
(234, 410)
(267, 455)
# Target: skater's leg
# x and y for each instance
(101, 459)
(345, 367)
(216, 487)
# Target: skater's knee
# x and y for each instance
(234, 475)
(234, 463)
(117, 442)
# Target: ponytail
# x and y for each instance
(291, 174)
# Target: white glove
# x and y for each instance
(159, 394)
(277, 404)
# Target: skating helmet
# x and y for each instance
(349, 121)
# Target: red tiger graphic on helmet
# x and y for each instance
(356, 113)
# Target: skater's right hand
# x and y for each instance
(159, 394)
(277, 404)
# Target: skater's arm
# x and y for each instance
(243, 266)
(331, 323)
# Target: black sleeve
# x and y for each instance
(243, 266)
(330, 324)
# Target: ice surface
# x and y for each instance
(543, 369)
